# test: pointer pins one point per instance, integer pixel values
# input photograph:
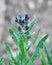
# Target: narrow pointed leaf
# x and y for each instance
(1, 60)
(13, 36)
(51, 48)
(14, 28)
(30, 63)
(32, 23)
(7, 49)
(51, 53)
(34, 40)
(40, 45)
(48, 56)
(22, 47)
(9, 53)
(42, 57)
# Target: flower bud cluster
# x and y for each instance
(23, 21)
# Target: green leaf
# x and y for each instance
(23, 53)
(51, 53)
(9, 53)
(34, 40)
(42, 57)
(1, 60)
(48, 56)
(15, 29)
(10, 62)
(30, 63)
(40, 45)
(51, 49)
(7, 49)
(22, 47)
(14, 37)
(32, 23)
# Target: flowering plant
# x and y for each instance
(21, 36)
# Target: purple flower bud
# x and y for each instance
(22, 21)
(16, 20)
(26, 27)
(27, 16)
(19, 28)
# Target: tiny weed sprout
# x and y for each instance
(21, 36)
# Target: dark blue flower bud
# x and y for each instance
(27, 16)
(22, 21)
(16, 20)
(19, 28)
(26, 27)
